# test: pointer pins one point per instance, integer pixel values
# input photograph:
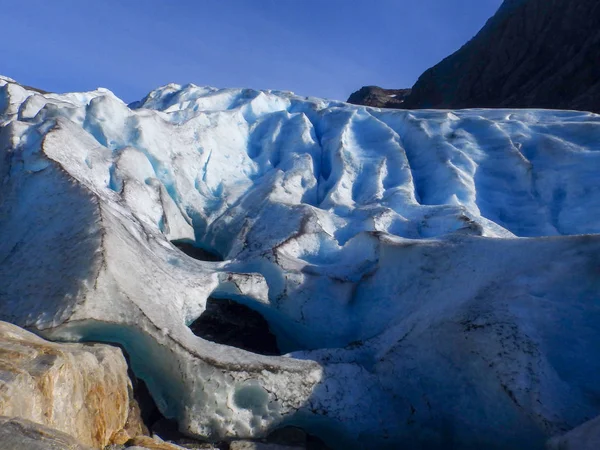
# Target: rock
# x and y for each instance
(190, 444)
(21, 434)
(79, 389)
(254, 445)
(583, 437)
(152, 443)
(135, 425)
(530, 54)
(379, 97)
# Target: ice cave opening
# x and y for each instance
(197, 252)
(228, 322)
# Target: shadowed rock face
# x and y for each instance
(379, 97)
(20, 434)
(530, 54)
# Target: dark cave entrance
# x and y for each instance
(228, 322)
(196, 252)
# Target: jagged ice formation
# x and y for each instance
(432, 277)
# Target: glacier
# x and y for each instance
(432, 277)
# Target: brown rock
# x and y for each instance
(255, 445)
(379, 97)
(134, 426)
(79, 389)
(530, 54)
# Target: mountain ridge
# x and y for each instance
(530, 54)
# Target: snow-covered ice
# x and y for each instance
(432, 276)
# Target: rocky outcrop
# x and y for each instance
(149, 443)
(79, 389)
(250, 445)
(583, 437)
(530, 54)
(379, 97)
(20, 434)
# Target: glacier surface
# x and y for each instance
(433, 277)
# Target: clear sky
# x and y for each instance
(324, 48)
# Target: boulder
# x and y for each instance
(79, 389)
(21, 434)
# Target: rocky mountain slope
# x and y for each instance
(379, 97)
(430, 277)
(530, 54)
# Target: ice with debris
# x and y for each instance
(432, 277)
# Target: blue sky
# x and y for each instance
(325, 48)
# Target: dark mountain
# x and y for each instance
(379, 97)
(530, 54)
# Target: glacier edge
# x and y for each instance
(424, 264)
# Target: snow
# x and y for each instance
(432, 275)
